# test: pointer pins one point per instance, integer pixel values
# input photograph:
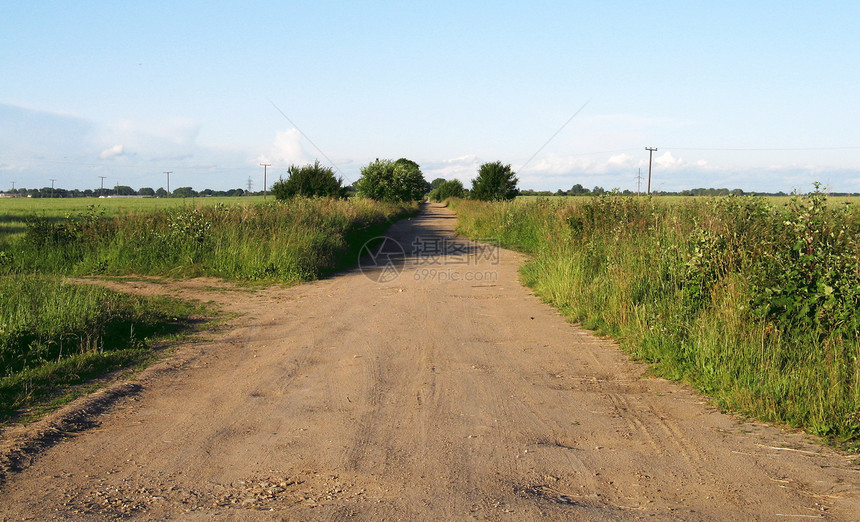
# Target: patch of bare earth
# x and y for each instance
(435, 395)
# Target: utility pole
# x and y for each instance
(13, 185)
(650, 155)
(168, 172)
(639, 183)
(52, 187)
(250, 184)
(102, 191)
(265, 166)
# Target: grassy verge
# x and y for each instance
(275, 242)
(55, 336)
(754, 304)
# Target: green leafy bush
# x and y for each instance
(309, 181)
(392, 181)
(448, 189)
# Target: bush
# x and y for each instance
(495, 182)
(392, 181)
(448, 189)
(309, 181)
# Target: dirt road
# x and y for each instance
(448, 392)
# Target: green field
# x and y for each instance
(773, 200)
(752, 301)
(14, 212)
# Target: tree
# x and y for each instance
(124, 190)
(161, 193)
(184, 192)
(578, 190)
(436, 183)
(146, 191)
(387, 180)
(309, 181)
(450, 189)
(495, 182)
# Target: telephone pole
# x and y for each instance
(168, 172)
(52, 187)
(265, 166)
(639, 183)
(650, 155)
(102, 191)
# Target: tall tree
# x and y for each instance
(495, 182)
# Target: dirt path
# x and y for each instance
(449, 392)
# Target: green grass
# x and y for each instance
(270, 242)
(754, 303)
(56, 337)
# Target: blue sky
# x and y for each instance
(756, 95)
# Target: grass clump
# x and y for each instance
(55, 334)
(754, 304)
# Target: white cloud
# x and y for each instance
(173, 131)
(668, 161)
(621, 160)
(463, 168)
(286, 149)
(116, 150)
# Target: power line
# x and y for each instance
(307, 138)
(553, 136)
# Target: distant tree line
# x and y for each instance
(123, 190)
(386, 180)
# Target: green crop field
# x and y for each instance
(14, 212)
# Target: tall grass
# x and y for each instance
(286, 242)
(754, 304)
(54, 334)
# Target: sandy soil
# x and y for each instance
(448, 392)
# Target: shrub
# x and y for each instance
(309, 181)
(392, 181)
(448, 189)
